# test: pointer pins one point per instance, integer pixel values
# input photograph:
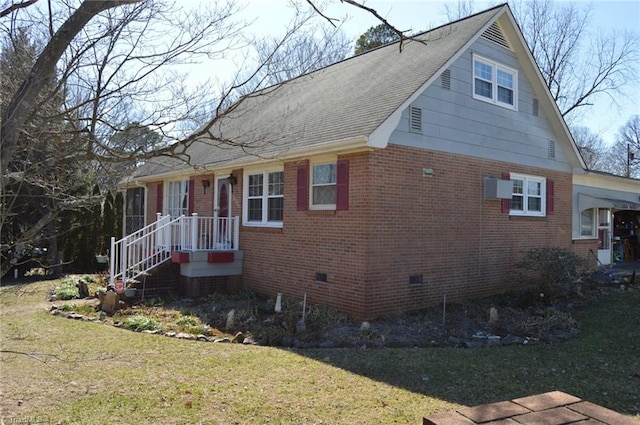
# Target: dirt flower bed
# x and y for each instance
(510, 319)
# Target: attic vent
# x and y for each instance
(445, 79)
(494, 33)
(415, 119)
(552, 149)
(535, 106)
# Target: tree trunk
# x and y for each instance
(23, 101)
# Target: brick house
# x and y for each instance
(381, 183)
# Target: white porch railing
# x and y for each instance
(139, 252)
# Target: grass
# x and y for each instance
(78, 372)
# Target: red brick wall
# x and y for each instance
(152, 201)
(582, 246)
(443, 228)
(400, 224)
(203, 202)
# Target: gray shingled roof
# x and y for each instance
(346, 100)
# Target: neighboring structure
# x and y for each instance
(606, 218)
(382, 183)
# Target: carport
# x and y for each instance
(614, 218)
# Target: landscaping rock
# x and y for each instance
(493, 316)
(222, 340)
(231, 320)
(398, 341)
(109, 301)
(184, 335)
(512, 340)
(83, 289)
(327, 344)
(238, 338)
(287, 341)
(473, 344)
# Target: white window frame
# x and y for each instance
(182, 195)
(265, 196)
(495, 67)
(594, 221)
(526, 179)
(312, 184)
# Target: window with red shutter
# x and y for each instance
(302, 188)
(506, 203)
(159, 197)
(549, 197)
(530, 195)
(342, 185)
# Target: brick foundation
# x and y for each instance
(194, 287)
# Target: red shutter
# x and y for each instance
(191, 196)
(342, 185)
(302, 191)
(549, 197)
(159, 196)
(506, 203)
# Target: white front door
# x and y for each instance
(604, 235)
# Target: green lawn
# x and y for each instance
(56, 370)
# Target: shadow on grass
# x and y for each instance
(601, 365)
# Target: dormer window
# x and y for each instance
(494, 83)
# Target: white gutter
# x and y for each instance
(341, 146)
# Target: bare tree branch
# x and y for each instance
(43, 71)
(401, 34)
(16, 6)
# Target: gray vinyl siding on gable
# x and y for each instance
(455, 122)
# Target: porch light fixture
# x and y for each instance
(205, 185)
(233, 179)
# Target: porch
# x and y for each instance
(203, 247)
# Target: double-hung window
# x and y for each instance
(323, 186)
(494, 83)
(529, 195)
(264, 198)
(178, 198)
(588, 223)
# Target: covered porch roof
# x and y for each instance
(586, 202)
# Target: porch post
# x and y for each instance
(194, 232)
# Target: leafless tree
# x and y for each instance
(625, 152)
(592, 147)
(117, 63)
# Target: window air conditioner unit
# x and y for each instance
(497, 188)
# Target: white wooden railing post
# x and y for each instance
(236, 233)
(112, 261)
(124, 261)
(194, 232)
(182, 232)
